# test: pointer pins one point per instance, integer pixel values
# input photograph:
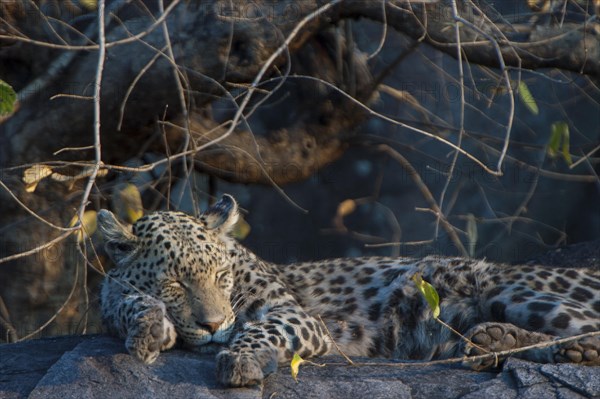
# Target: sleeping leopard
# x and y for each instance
(180, 279)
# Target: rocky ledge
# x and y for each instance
(99, 367)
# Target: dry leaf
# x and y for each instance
(88, 225)
(90, 5)
(35, 174)
(86, 172)
(128, 203)
(241, 229)
(346, 207)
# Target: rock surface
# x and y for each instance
(99, 367)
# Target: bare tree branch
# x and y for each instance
(570, 46)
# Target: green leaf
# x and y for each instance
(560, 141)
(8, 99)
(430, 294)
(555, 136)
(527, 98)
(566, 139)
(295, 366)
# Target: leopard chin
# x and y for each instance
(198, 338)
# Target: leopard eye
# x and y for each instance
(120, 247)
(222, 273)
(224, 280)
(123, 247)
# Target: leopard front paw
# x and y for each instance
(150, 333)
(237, 370)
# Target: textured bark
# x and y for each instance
(572, 46)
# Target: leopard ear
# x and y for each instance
(119, 242)
(223, 215)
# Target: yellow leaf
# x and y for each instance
(31, 187)
(429, 292)
(527, 98)
(33, 175)
(295, 366)
(538, 5)
(241, 229)
(88, 225)
(346, 207)
(90, 5)
(128, 203)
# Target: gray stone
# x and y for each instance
(23, 365)
(585, 380)
(99, 367)
(525, 374)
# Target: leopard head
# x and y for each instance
(183, 261)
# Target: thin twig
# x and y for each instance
(183, 104)
(96, 46)
(399, 244)
(402, 124)
(276, 186)
(461, 128)
(283, 47)
(62, 61)
(60, 309)
(133, 84)
(11, 332)
(584, 157)
(169, 168)
(383, 34)
(504, 71)
(426, 193)
(468, 359)
(38, 248)
(32, 213)
(462, 337)
(65, 149)
(74, 96)
(96, 126)
(350, 362)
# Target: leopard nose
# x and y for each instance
(210, 326)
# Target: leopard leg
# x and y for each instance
(142, 321)
(257, 349)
